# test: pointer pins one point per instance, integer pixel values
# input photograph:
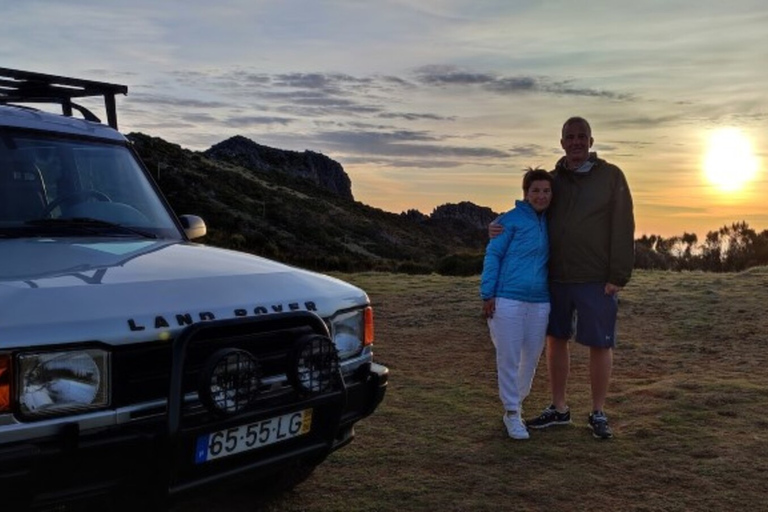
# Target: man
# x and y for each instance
(591, 235)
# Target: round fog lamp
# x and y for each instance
(315, 364)
(230, 381)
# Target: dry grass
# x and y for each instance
(688, 405)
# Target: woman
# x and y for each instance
(516, 296)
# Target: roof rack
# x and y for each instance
(28, 87)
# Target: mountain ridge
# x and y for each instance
(298, 208)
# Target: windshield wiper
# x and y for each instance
(88, 225)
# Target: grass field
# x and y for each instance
(688, 404)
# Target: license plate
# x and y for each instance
(254, 435)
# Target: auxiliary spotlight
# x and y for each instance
(314, 365)
(230, 381)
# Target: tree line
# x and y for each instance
(729, 249)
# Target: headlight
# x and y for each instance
(351, 331)
(56, 383)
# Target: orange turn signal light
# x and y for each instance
(5, 383)
(368, 339)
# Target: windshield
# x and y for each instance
(60, 187)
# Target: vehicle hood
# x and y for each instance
(56, 291)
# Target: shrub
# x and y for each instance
(460, 265)
(413, 268)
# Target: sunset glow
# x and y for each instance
(730, 164)
(440, 101)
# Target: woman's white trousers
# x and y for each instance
(518, 331)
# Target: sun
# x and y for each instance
(730, 162)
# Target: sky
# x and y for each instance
(441, 101)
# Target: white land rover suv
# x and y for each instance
(134, 362)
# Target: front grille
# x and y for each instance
(141, 373)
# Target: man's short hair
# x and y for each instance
(574, 120)
(535, 174)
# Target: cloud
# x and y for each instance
(565, 88)
(643, 121)
(528, 150)
(510, 85)
(283, 99)
(408, 116)
(246, 121)
(145, 99)
(451, 75)
(434, 75)
(329, 82)
(319, 107)
(401, 144)
(407, 163)
(198, 118)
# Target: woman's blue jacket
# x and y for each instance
(515, 264)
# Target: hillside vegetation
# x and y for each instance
(280, 216)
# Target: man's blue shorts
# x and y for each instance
(583, 310)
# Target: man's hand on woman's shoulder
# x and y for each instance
(494, 229)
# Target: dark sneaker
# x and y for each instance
(549, 417)
(598, 422)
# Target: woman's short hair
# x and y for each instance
(535, 174)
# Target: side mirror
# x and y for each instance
(194, 226)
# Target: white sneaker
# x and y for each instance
(515, 426)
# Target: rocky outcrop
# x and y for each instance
(314, 167)
(469, 213)
(414, 215)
